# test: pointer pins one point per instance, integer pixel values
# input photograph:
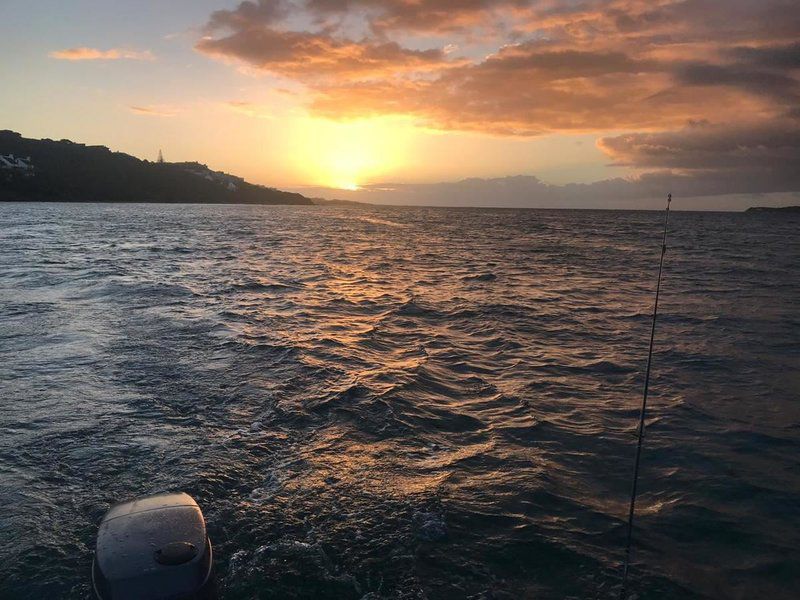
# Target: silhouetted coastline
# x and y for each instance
(66, 171)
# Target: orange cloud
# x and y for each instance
(154, 111)
(588, 66)
(84, 53)
(530, 89)
(307, 55)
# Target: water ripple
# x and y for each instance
(394, 403)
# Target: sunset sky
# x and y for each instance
(403, 100)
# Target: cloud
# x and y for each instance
(249, 13)
(84, 53)
(421, 16)
(780, 88)
(525, 191)
(779, 56)
(706, 146)
(154, 111)
(530, 89)
(589, 66)
(647, 67)
(306, 56)
(707, 159)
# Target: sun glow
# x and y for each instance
(347, 155)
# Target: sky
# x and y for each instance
(584, 103)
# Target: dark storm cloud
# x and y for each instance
(781, 57)
(706, 146)
(743, 157)
(759, 82)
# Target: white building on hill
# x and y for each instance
(9, 162)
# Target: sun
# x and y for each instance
(347, 155)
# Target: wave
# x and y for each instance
(441, 406)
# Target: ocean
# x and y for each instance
(404, 403)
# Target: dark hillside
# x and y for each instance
(70, 172)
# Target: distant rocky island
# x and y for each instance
(771, 209)
(47, 170)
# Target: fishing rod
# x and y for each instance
(643, 411)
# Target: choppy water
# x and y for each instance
(403, 403)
